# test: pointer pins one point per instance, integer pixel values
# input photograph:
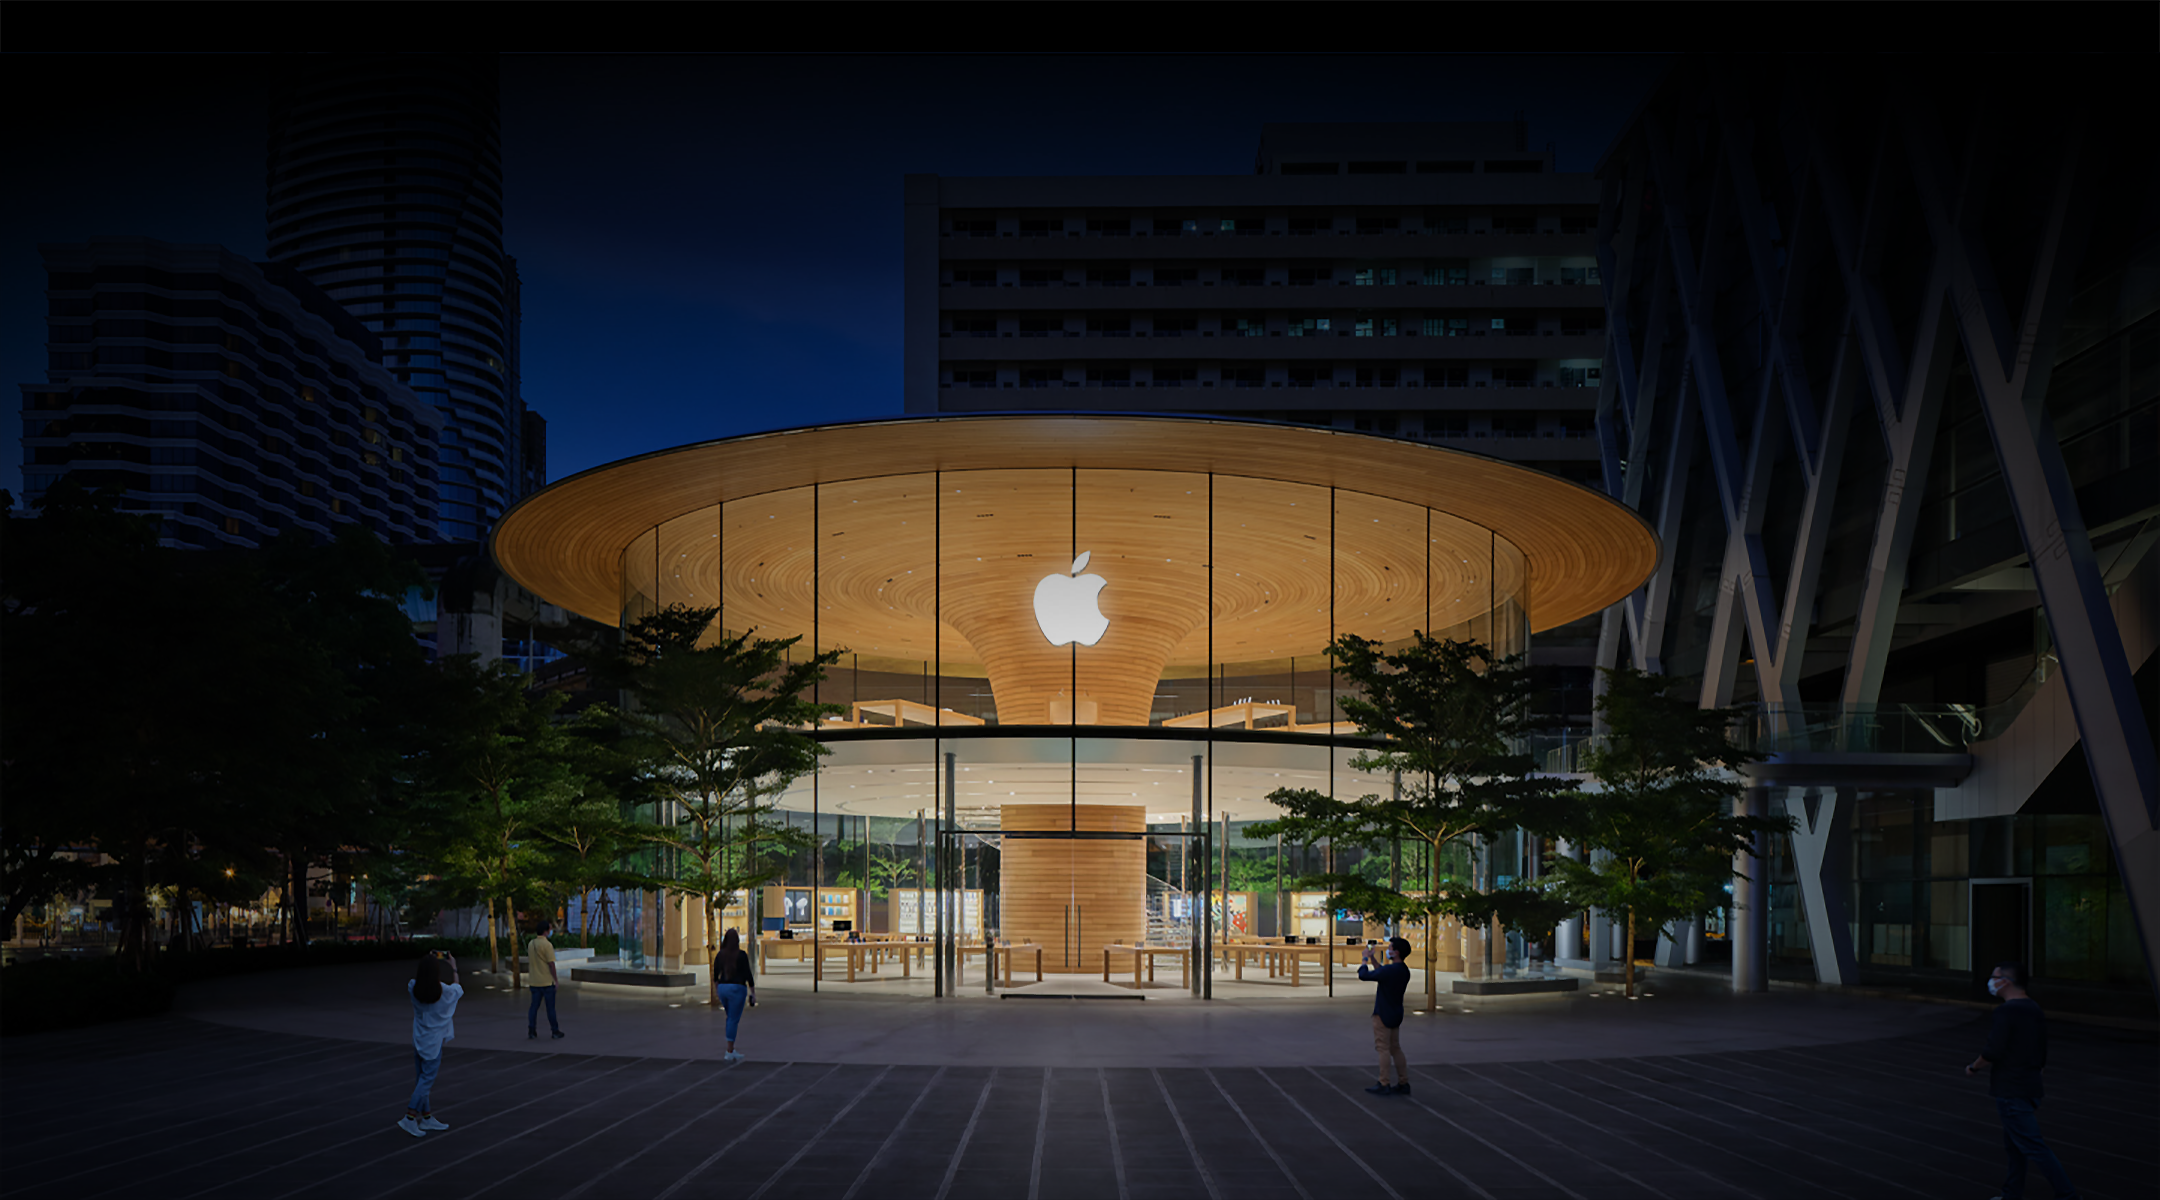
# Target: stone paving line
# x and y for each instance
(365, 1003)
(178, 1107)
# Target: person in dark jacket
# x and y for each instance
(2015, 1054)
(733, 983)
(1387, 1014)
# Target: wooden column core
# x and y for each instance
(1073, 896)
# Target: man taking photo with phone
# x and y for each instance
(1387, 1013)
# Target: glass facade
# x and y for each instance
(1065, 693)
(1946, 900)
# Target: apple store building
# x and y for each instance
(1076, 655)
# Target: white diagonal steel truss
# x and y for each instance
(1685, 220)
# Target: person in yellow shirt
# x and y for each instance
(541, 955)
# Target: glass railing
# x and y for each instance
(1863, 728)
(1824, 728)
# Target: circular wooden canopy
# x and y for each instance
(890, 555)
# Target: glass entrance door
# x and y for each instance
(965, 918)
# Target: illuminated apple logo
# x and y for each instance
(1065, 606)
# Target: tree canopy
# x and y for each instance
(1446, 717)
(716, 721)
(1662, 815)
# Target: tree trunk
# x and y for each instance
(1628, 953)
(584, 938)
(712, 957)
(1432, 929)
(510, 927)
(134, 949)
(296, 895)
(494, 954)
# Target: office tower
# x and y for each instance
(234, 399)
(1885, 374)
(385, 189)
(1428, 281)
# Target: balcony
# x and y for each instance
(1830, 744)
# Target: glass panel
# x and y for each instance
(687, 560)
(1145, 538)
(1510, 573)
(877, 596)
(765, 554)
(1271, 612)
(1380, 568)
(1001, 534)
(1460, 579)
(638, 585)
(1018, 889)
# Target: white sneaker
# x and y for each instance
(731, 1056)
(429, 1122)
(411, 1126)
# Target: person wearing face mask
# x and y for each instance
(2014, 1056)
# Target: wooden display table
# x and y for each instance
(1150, 954)
(1279, 959)
(1007, 953)
(872, 953)
(904, 712)
(1245, 714)
(778, 948)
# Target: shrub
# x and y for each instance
(66, 994)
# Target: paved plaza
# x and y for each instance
(288, 1084)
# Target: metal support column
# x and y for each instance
(1199, 944)
(948, 934)
(1822, 854)
(1751, 903)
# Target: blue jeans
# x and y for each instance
(532, 1011)
(424, 1078)
(732, 997)
(2022, 1145)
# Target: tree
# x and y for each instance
(1445, 714)
(262, 714)
(590, 837)
(715, 719)
(1668, 777)
(506, 765)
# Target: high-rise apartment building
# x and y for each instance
(1428, 281)
(231, 398)
(385, 190)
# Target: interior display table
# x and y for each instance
(870, 954)
(778, 948)
(1149, 954)
(1007, 953)
(1280, 959)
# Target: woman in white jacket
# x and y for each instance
(434, 1001)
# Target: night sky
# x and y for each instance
(711, 245)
